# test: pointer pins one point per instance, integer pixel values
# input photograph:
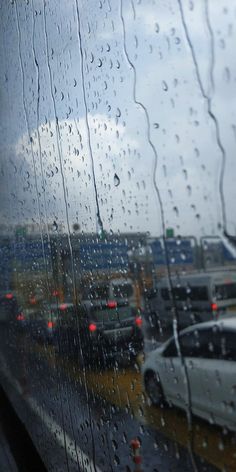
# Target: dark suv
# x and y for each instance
(101, 331)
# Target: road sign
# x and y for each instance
(179, 252)
(109, 255)
(170, 233)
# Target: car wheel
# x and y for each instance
(154, 389)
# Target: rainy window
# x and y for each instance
(118, 233)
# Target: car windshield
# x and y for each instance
(194, 293)
(122, 291)
(111, 314)
(99, 293)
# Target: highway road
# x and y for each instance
(84, 420)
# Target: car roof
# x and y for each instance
(219, 276)
(226, 323)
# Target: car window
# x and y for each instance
(200, 343)
(99, 293)
(227, 345)
(225, 291)
(194, 293)
(118, 232)
(110, 314)
(122, 291)
(171, 350)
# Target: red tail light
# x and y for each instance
(214, 306)
(9, 296)
(138, 321)
(92, 327)
(51, 324)
(111, 304)
(63, 307)
(33, 301)
(55, 293)
(20, 317)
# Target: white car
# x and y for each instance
(203, 377)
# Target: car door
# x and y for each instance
(172, 375)
(198, 349)
(219, 379)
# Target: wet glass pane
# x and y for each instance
(118, 231)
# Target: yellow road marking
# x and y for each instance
(123, 388)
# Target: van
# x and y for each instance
(115, 289)
(196, 298)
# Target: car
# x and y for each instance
(9, 307)
(119, 289)
(44, 318)
(103, 331)
(198, 370)
(195, 297)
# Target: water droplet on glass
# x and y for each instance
(55, 225)
(176, 210)
(116, 180)
(189, 189)
(116, 460)
(118, 113)
(164, 86)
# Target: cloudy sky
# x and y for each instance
(120, 112)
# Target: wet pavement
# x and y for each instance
(85, 419)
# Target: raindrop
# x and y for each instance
(189, 189)
(176, 210)
(164, 86)
(114, 444)
(205, 443)
(116, 460)
(157, 28)
(227, 74)
(99, 63)
(222, 43)
(55, 225)
(221, 446)
(156, 125)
